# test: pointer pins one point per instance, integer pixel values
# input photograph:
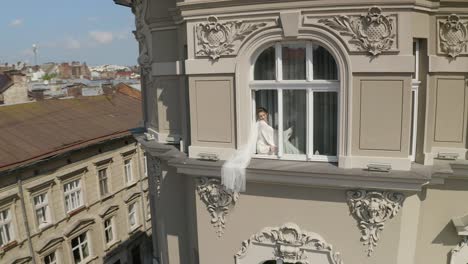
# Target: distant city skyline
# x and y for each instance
(95, 32)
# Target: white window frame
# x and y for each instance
(68, 193)
(310, 86)
(107, 172)
(111, 219)
(6, 223)
(42, 206)
(55, 261)
(128, 170)
(414, 101)
(133, 205)
(80, 248)
(145, 164)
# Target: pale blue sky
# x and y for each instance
(92, 31)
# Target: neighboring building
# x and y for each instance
(75, 70)
(373, 101)
(13, 88)
(73, 184)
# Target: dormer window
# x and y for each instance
(295, 90)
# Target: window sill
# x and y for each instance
(130, 185)
(43, 228)
(90, 259)
(111, 245)
(9, 246)
(133, 230)
(106, 197)
(313, 174)
(76, 211)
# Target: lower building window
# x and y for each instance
(41, 205)
(50, 259)
(80, 248)
(73, 195)
(103, 186)
(109, 230)
(128, 171)
(132, 215)
(6, 232)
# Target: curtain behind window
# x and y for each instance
(325, 123)
(265, 65)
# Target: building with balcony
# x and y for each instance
(359, 117)
(73, 184)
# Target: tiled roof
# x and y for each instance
(34, 131)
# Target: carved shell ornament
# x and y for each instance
(215, 39)
(218, 201)
(372, 209)
(453, 36)
(290, 244)
(373, 32)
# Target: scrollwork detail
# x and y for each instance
(453, 36)
(215, 39)
(372, 209)
(373, 32)
(218, 201)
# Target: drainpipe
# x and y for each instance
(25, 219)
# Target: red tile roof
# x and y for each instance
(34, 131)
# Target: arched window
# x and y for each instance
(295, 88)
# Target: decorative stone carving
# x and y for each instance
(143, 36)
(218, 201)
(290, 244)
(459, 254)
(372, 209)
(215, 39)
(453, 36)
(373, 32)
(155, 173)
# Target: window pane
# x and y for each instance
(325, 123)
(294, 121)
(265, 65)
(294, 61)
(324, 64)
(267, 103)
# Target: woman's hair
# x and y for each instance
(261, 109)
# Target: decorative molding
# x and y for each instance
(154, 173)
(215, 39)
(218, 201)
(373, 32)
(459, 254)
(453, 36)
(290, 244)
(372, 209)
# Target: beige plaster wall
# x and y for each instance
(437, 235)
(322, 211)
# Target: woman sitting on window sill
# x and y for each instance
(267, 136)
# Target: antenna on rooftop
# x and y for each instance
(34, 47)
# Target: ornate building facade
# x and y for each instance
(371, 101)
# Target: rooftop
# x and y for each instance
(34, 131)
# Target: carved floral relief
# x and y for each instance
(453, 36)
(373, 32)
(372, 209)
(143, 36)
(215, 39)
(290, 243)
(154, 173)
(218, 201)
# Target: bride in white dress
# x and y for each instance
(267, 137)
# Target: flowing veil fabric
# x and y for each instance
(233, 170)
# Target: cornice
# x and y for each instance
(193, 9)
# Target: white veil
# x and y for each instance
(233, 170)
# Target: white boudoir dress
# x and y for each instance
(266, 138)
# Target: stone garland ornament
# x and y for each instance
(373, 32)
(460, 252)
(215, 39)
(372, 209)
(290, 244)
(453, 36)
(155, 173)
(218, 201)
